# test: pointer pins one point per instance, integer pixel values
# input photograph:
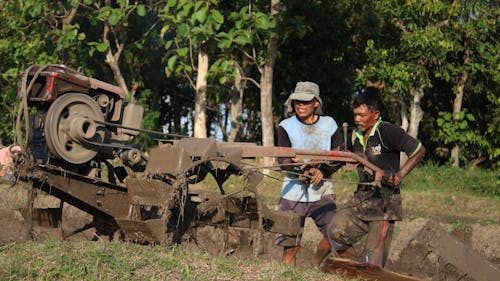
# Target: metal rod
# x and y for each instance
(140, 130)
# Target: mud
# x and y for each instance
(415, 249)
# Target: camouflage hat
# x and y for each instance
(304, 91)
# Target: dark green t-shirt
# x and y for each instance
(382, 148)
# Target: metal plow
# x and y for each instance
(78, 134)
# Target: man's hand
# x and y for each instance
(395, 179)
(316, 176)
(311, 175)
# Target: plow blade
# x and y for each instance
(143, 231)
(364, 270)
(149, 192)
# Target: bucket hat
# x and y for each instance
(304, 91)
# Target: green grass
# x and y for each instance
(76, 260)
(472, 181)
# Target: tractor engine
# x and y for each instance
(76, 118)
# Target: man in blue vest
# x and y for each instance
(373, 209)
(307, 189)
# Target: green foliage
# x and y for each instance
(118, 15)
(209, 23)
(427, 44)
(456, 130)
(26, 38)
(433, 44)
(149, 121)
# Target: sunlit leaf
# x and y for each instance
(115, 16)
(183, 30)
(201, 14)
(171, 3)
(242, 40)
(217, 17)
(141, 10)
(171, 62)
(102, 47)
(164, 29)
(182, 52)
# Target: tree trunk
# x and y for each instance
(176, 116)
(404, 115)
(266, 105)
(113, 60)
(457, 107)
(266, 90)
(200, 115)
(404, 125)
(416, 112)
(237, 105)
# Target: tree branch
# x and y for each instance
(113, 59)
(191, 82)
(67, 19)
(191, 54)
(257, 84)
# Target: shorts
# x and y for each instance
(320, 211)
(347, 228)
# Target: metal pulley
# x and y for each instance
(81, 129)
(69, 123)
(133, 156)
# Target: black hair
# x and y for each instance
(368, 96)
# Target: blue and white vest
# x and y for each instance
(315, 136)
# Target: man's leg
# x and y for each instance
(322, 251)
(322, 212)
(344, 230)
(378, 242)
(290, 255)
(348, 253)
(291, 245)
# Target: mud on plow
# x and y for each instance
(79, 148)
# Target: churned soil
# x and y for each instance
(482, 238)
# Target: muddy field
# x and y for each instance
(421, 247)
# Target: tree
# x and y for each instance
(115, 33)
(78, 34)
(246, 41)
(266, 84)
(324, 42)
(193, 25)
(471, 61)
(32, 32)
(436, 50)
(403, 66)
(234, 45)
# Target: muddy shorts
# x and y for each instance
(347, 228)
(320, 211)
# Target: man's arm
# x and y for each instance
(408, 166)
(336, 143)
(284, 141)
